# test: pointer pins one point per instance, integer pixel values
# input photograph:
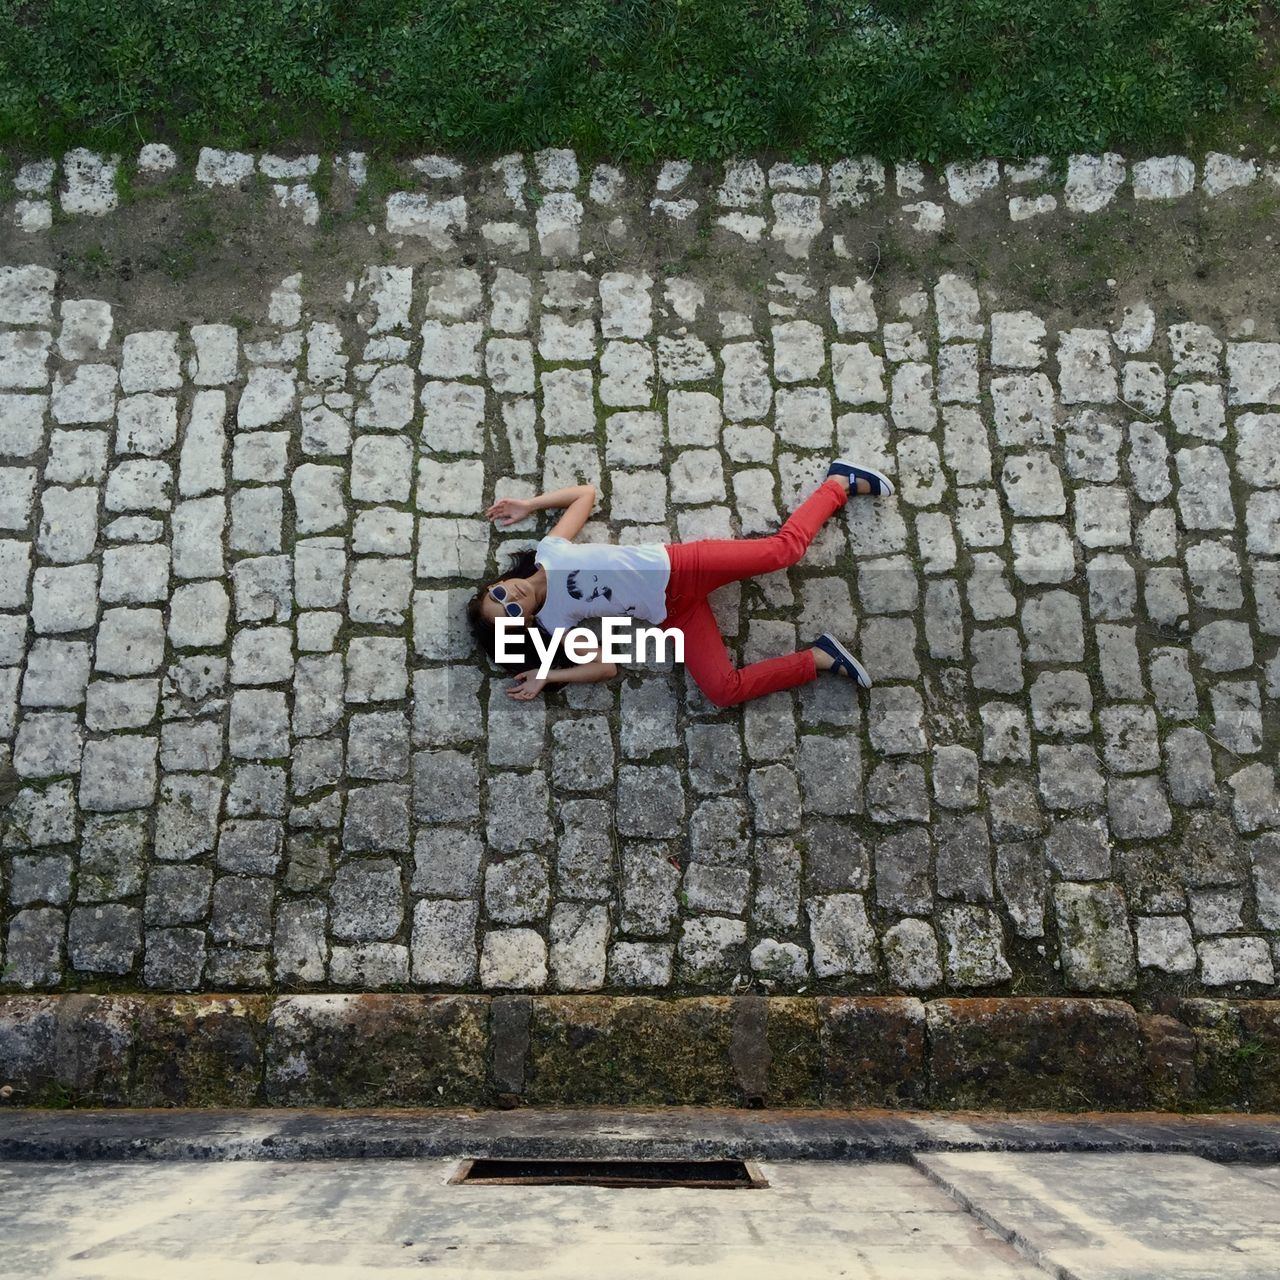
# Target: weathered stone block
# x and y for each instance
(1028, 1052)
(601, 1050)
(873, 1051)
(74, 1050)
(200, 1051)
(377, 1050)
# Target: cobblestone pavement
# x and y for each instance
(254, 747)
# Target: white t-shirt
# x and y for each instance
(601, 580)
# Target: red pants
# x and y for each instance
(698, 568)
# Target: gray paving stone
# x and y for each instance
(1224, 961)
(174, 959)
(1164, 943)
(298, 946)
(1006, 738)
(22, 424)
(911, 956)
(776, 904)
(716, 889)
(256, 790)
(39, 818)
(34, 953)
(259, 724)
(955, 777)
(516, 890)
(841, 936)
(996, 660)
(1264, 857)
(650, 882)
(366, 900)
(648, 713)
(963, 858)
(518, 811)
(377, 819)
(1091, 446)
(57, 673)
(1138, 808)
(443, 949)
(897, 793)
(112, 856)
(830, 775)
(104, 939)
(711, 948)
(1021, 881)
(47, 744)
(973, 947)
(1156, 535)
(37, 880)
(241, 911)
(187, 818)
(198, 616)
(775, 799)
(445, 786)
(251, 846)
(309, 863)
(836, 858)
(1013, 810)
(369, 966)
(178, 895)
(583, 757)
(68, 524)
(895, 720)
(650, 801)
(376, 670)
(118, 773)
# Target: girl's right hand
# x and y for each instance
(510, 510)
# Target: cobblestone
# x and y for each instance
(254, 745)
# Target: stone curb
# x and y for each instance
(739, 1051)
(585, 1133)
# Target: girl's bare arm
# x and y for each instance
(576, 501)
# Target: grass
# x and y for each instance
(633, 79)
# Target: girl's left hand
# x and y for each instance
(510, 510)
(525, 687)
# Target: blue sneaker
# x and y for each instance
(845, 663)
(881, 485)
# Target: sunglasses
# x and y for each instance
(512, 609)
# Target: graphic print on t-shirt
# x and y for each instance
(602, 580)
(582, 585)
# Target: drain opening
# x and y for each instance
(724, 1174)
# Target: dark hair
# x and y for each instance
(521, 565)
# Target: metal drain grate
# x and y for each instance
(726, 1174)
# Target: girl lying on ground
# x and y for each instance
(562, 583)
